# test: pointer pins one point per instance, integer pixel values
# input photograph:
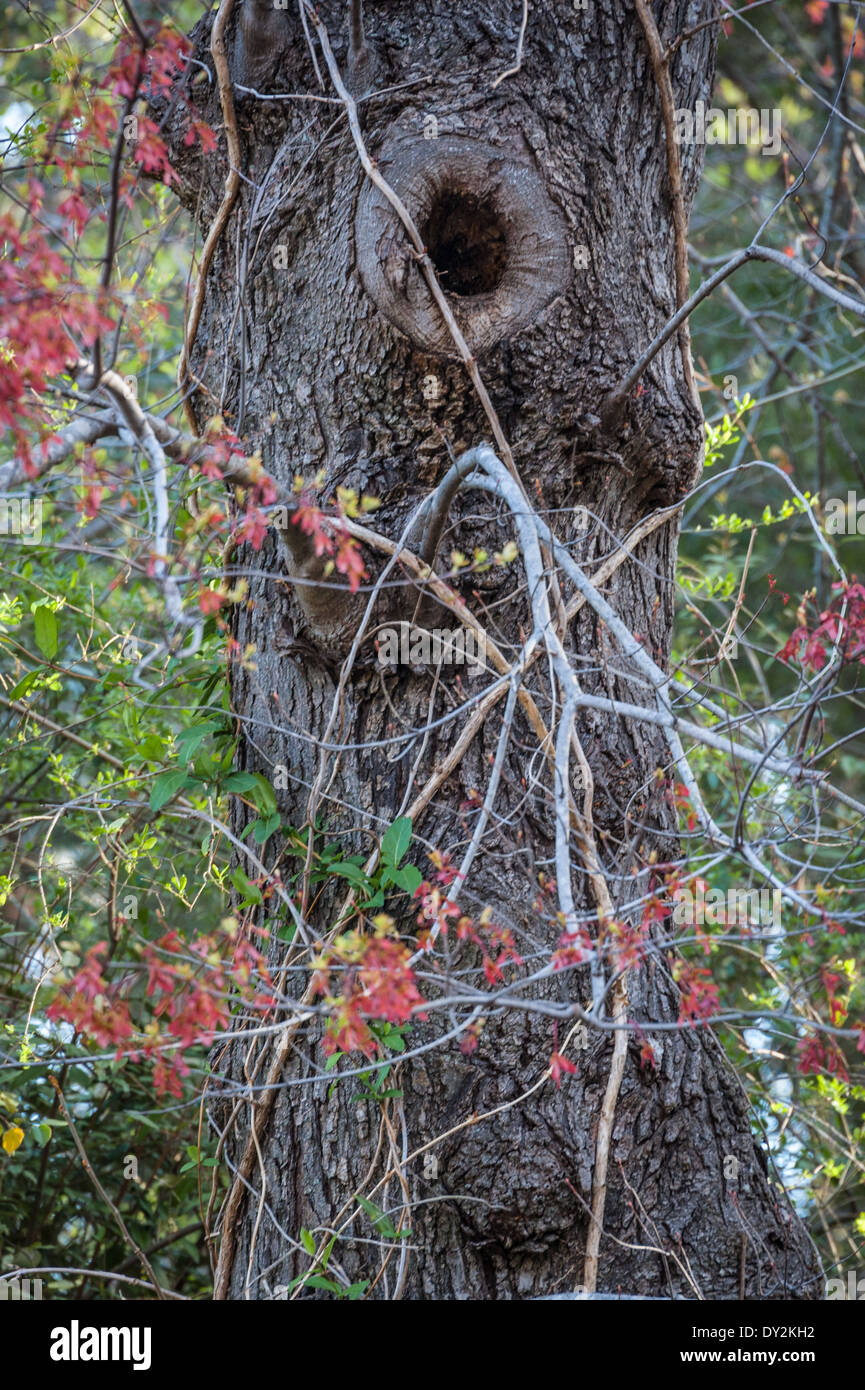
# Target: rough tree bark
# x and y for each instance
(320, 344)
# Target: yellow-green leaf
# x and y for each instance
(12, 1138)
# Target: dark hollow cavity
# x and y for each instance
(466, 242)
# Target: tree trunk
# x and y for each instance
(544, 202)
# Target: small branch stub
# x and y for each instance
(265, 35)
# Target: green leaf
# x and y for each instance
(46, 631)
(190, 740)
(239, 782)
(262, 795)
(396, 841)
(326, 1253)
(307, 1241)
(23, 685)
(316, 1281)
(352, 873)
(166, 786)
(247, 890)
(379, 1219)
(263, 829)
(409, 879)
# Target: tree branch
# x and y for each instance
(88, 1168)
(615, 403)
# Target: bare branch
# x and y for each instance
(616, 401)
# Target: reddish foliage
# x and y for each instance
(841, 626)
(574, 949)
(495, 943)
(817, 1056)
(434, 906)
(329, 538)
(100, 124)
(153, 71)
(187, 986)
(210, 602)
(681, 799)
(561, 1066)
(252, 527)
(837, 1007)
(655, 909)
(201, 131)
(151, 151)
(92, 1006)
(75, 210)
(377, 982)
(46, 318)
(699, 994)
(626, 944)
(42, 314)
(445, 871)
(773, 585)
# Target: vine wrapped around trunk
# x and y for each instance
(425, 261)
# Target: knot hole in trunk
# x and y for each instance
(497, 242)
